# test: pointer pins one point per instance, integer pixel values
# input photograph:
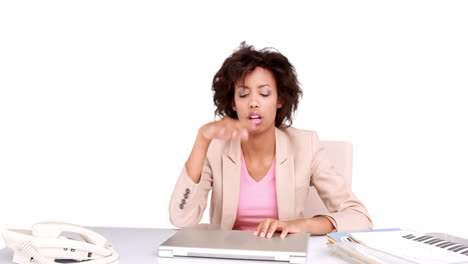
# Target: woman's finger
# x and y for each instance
(285, 232)
(244, 134)
(272, 229)
(235, 133)
(221, 133)
(259, 227)
(228, 128)
(265, 227)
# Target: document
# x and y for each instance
(414, 246)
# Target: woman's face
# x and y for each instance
(256, 99)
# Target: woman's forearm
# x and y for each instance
(319, 225)
(197, 157)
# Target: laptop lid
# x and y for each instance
(235, 244)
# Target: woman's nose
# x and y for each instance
(253, 104)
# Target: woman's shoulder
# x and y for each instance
(298, 134)
(299, 140)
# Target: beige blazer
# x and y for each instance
(300, 163)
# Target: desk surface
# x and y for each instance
(139, 245)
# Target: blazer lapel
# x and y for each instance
(285, 178)
(231, 184)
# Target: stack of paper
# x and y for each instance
(344, 236)
(398, 246)
(414, 246)
(353, 252)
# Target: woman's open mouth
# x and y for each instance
(255, 118)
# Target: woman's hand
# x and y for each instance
(270, 226)
(226, 128)
(317, 225)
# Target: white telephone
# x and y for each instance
(45, 243)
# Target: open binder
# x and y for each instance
(399, 246)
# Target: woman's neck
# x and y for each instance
(260, 146)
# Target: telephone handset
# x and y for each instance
(46, 243)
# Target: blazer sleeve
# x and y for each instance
(188, 200)
(346, 211)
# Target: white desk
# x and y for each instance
(139, 246)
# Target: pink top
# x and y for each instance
(257, 200)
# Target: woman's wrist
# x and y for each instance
(204, 133)
(318, 225)
(201, 138)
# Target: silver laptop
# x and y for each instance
(234, 244)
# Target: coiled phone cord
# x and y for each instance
(32, 252)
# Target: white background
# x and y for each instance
(100, 101)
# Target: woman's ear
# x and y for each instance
(234, 107)
(280, 102)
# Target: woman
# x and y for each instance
(257, 166)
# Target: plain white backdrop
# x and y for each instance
(100, 101)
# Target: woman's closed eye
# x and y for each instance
(242, 95)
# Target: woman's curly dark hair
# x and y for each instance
(244, 60)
